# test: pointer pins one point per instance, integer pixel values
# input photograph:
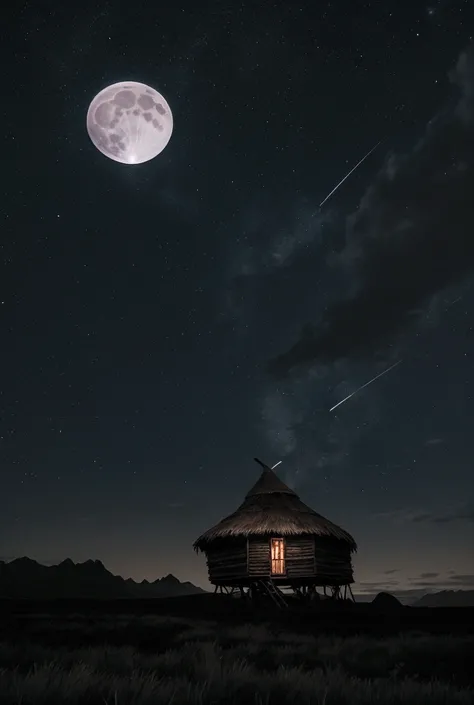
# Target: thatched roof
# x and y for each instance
(271, 507)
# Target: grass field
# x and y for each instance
(159, 660)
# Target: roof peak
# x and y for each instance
(268, 483)
(271, 507)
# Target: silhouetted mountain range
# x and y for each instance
(25, 578)
(447, 598)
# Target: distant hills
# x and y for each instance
(386, 602)
(447, 598)
(24, 578)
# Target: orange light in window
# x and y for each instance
(278, 556)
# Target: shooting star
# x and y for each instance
(276, 465)
(454, 302)
(365, 385)
(347, 175)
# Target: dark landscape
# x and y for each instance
(76, 633)
(104, 641)
(24, 578)
(26, 581)
(218, 649)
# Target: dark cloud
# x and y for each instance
(464, 513)
(410, 238)
(461, 512)
(434, 441)
(456, 581)
(465, 580)
(401, 516)
(425, 516)
(379, 585)
(391, 571)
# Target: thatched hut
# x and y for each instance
(275, 539)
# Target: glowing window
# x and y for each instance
(277, 547)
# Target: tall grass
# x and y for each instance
(203, 663)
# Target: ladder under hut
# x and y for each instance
(267, 587)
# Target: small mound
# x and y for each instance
(386, 601)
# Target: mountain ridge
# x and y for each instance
(25, 578)
(446, 598)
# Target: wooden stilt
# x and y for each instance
(267, 588)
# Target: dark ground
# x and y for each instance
(339, 619)
(205, 649)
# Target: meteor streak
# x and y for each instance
(365, 385)
(347, 175)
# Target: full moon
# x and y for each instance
(129, 122)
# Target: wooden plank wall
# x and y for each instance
(300, 557)
(228, 562)
(333, 563)
(329, 562)
(259, 556)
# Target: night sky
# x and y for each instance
(161, 324)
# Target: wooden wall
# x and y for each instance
(333, 562)
(299, 556)
(327, 561)
(227, 560)
(259, 556)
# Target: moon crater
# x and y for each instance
(125, 99)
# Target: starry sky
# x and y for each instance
(162, 324)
